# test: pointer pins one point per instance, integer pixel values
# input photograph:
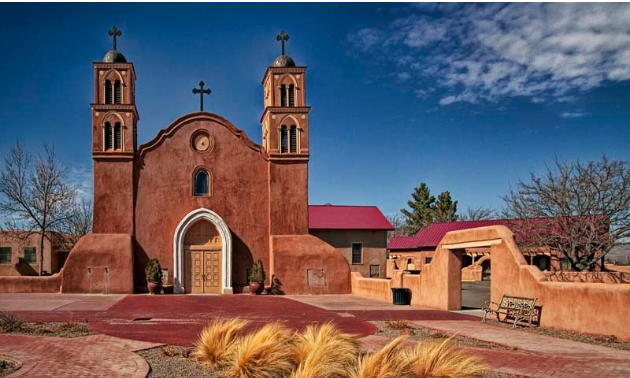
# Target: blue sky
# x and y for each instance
(468, 98)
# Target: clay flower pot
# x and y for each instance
(154, 287)
(256, 288)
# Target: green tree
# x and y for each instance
(445, 209)
(420, 212)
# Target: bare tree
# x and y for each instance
(34, 197)
(477, 213)
(579, 209)
(399, 226)
(79, 223)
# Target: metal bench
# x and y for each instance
(517, 308)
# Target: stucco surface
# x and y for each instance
(100, 263)
(28, 284)
(294, 255)
(374, 247)
(238, 194)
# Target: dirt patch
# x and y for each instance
(8, 365)
(606, 341)
(65, 329)
(393, 329)
(168, 362)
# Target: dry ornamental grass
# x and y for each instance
(325, 352)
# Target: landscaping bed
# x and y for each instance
(168, 362)
(13, 324)
(395, 328)
(606, 341)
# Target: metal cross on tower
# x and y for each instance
(201, 92)
(282, 37)
(114, 33)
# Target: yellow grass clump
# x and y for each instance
(385, 363)
(441, 360)
(324, 352)
(266, 353)
(217, 340)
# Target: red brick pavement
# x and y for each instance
(90, 356)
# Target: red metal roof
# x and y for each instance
(337, 217)
(432, 235)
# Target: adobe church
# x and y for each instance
(207, 201)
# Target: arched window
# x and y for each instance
(284, 139)
(108, 136)
(291, 95)
(293, 139)
(117, 136)
(109, 99)
(117, 92)
(202, 184)
(283, 95)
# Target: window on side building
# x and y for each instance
(5, 255)
(357, 253)
(29, 255)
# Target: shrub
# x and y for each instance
(433, 360)
(153, 271)
(10, 323)
(217, 340)
(398, 324)
(385, 363)
(324, 352)
(266, 353)
(257, 273)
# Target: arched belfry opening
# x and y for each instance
(202, 254)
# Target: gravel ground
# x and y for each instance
(53, 329)
(165, 366)
(396, 328)
(607, 341)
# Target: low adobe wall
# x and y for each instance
(100, 263)
(595, 308)
(590, 277)
(30, 284)
(472, 273)
(307, 265)
(371, 287)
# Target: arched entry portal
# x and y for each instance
(190, 248)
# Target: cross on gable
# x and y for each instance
(282, 37)
(114, 32)
(200, 91)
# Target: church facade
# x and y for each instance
(204, 199)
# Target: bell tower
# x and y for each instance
(285, 125)
(114, 141)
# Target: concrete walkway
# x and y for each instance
(57, 302)
(538, 355)
(89, 356)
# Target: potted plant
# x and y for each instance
(257, 278)
(153, 273)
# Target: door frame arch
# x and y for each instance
(226, 248)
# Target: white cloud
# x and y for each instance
(487, 52)
(403, 76)
(82, 178)
(575, 114)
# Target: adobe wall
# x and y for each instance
(99, 263)
(583, 307)
(374, 247)
(30, 284)
(307, 265)
(239, 192)
(288, 197)
(472, 273)
(371, 287)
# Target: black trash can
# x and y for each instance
(401, 296)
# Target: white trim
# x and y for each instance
(226, 248)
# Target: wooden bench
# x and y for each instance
(517, 308)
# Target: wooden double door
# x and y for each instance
(203, 271)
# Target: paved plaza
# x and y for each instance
(134, 322)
